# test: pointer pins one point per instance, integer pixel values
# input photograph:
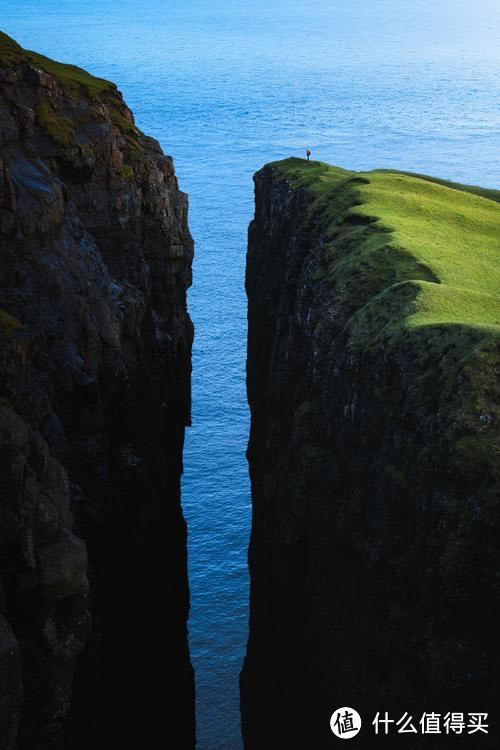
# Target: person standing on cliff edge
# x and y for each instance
(308, 153)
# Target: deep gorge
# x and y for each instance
(374, 419)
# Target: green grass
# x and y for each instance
(128, 172)
(56, 125)
(8, 323)
(74, 81)
(493, 195)
(411, 266)
(10, 51)
(424, 249)
(69, 75)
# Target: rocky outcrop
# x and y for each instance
(373, 456)
(95, 342)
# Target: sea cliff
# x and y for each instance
(95, 363)
(373, 359)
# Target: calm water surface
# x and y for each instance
(226, 86)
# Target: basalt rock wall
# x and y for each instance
(95, 362)
(374, 544)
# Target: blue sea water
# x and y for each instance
(226, 86)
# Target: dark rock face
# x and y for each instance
(374, 551)
(95, 344)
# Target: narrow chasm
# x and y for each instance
(95, 366)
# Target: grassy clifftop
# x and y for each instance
(75, 84)
(392, 236)
(70, 75)
(411, 268)
(374, 389)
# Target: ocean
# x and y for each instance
(225, 87)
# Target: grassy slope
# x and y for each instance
(440, 239)
(74, 81)
(413, 261)
(70, 75)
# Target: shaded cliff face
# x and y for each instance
(373, 358)
(95, 343)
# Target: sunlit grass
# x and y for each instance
(410, 268)
(387, 227)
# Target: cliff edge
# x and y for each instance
(373, 363)
(95, 362)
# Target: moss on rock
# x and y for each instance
(8, 323)
(57, 126)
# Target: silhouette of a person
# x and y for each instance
(308, 153)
